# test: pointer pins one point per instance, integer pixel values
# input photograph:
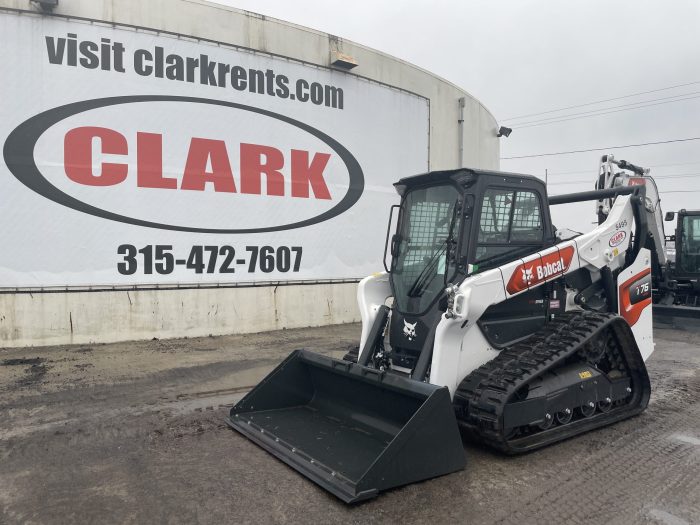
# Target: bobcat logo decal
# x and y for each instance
(409, 330)
(527, 274)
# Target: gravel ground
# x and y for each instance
(135, 433)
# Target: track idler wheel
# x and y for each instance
(588, 409)
(547, 423)
(564, 416)
(605, 405)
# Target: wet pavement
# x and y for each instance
(135, 433)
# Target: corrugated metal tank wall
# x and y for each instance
(104, 316)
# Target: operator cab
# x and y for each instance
(454, 224)
(688, 245)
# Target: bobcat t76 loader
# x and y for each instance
(485, 321)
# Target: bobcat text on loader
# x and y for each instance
(496, 326)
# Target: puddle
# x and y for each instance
(666, 517)
(686, 439)
(23, 361)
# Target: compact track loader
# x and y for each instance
(485, 321)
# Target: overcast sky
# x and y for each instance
(521, 57)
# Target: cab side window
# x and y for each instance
(527, 220)
(689, 259)
(510, 226)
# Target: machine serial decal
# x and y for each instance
(532, 273)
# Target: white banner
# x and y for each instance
(136, 159)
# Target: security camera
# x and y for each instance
(46, 5)
(504, 132)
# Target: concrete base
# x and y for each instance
(40, 319)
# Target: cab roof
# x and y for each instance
(464, 177)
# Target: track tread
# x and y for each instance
(481, 397)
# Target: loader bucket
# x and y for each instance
(351, 429)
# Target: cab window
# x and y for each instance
(510, 226)
(689, 260)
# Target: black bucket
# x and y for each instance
(353, 430)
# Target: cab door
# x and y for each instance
(511, 226)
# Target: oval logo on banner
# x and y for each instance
(185, 164)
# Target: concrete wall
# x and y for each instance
(81, 317)
(85, 317)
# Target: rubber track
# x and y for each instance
(481, 397)
(352, 354)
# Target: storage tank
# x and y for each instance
(180, 168)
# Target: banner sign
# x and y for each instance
(131, 158)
